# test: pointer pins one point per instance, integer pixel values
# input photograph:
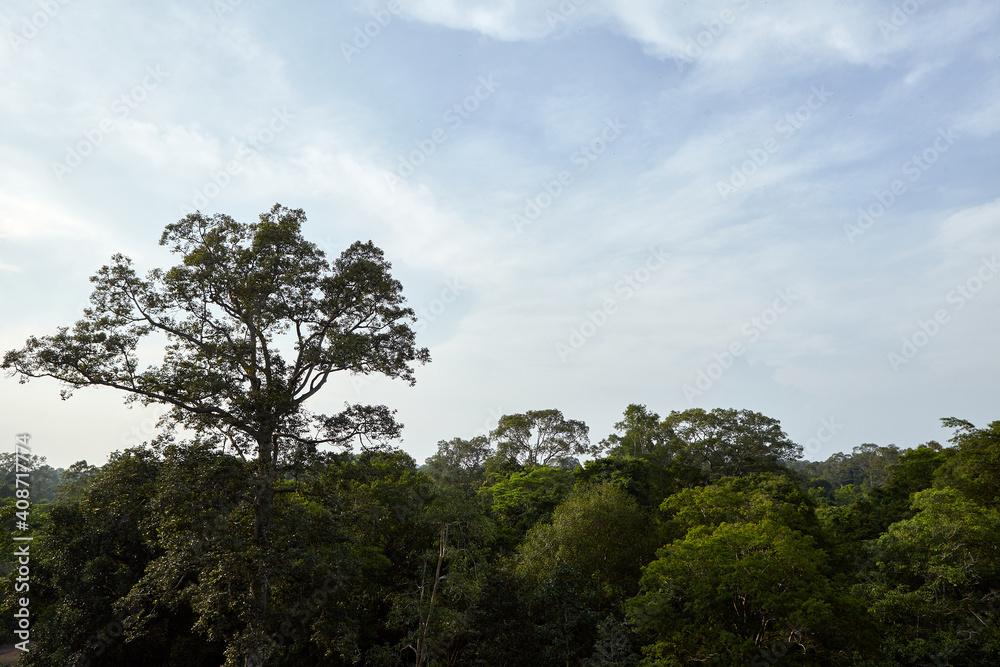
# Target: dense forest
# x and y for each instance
(251, 531)
(697, 538)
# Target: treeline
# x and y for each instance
(698, 538)
(45, 479)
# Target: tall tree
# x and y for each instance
(727, 442)
(540, 437)
(256, 321)
(639, 432)
(460, 462)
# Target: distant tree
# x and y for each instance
(43, 480)
(76, 479)
(866, 467)
(256, 322)
(639, 432)
(726, 442)
(460, 462)
(540, 438)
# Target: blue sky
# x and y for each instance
(782, 206)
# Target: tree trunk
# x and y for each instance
(260, 583)
(422, 640)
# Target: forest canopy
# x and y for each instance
(252, 531)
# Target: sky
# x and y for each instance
(787, 207)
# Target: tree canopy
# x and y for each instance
(250, 532)
(254, 321)
(540, 437)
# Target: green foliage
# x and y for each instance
(540, 438)
(974, 468)
(241, 299)
(502, 629)
(721, 594)
(380, 501)
(745, 569)
(738, 500)
(202, 526)
(600, 533)
(89, 554)
(635, 476)
(460, 463)
(872, 511)
(564, 614)
(525, 498)
(476, 559)
(639, 432)
(724, 443)
(935, 578)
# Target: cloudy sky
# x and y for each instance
(783, 206)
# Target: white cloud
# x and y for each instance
(511, 20)
(690, 123)
(30, 217)
(723, 31)
(983, 118)
(971, 230)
